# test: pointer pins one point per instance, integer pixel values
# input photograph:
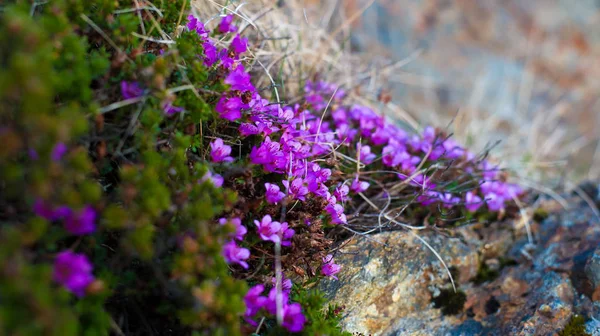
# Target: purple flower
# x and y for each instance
(215, 179)
(219, 151)
(131, 90)
(273, 195)
(247, 129)
(254, 301)
(286, 234)
(169, 109)
(366, 156)
(428, 197)
(472, 201)
(33, 155)
(336, 211)
(268, 229)
(449, 200)
(44, 210)
(239, 45)
(59, 150)
(236, 255)
(210, 54)
(494, 201)
(81, 222)
(73, 271)
(265, 152)
(330, 268)
(230, 108)
(239, 80)
(297, 188)
(359, 186)
(293, 319)
(197, 26)
(341, 192)
(286, 284)
(271, 304)
(225, 25)
(240, 230)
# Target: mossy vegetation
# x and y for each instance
(449, 301)
(575, 327)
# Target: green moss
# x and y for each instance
(449, 301)
(485, 273)
(540, 214)
(575, 327)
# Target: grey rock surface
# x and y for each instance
(391, 284)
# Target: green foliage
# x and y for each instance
(575, 327)
(323, 318)
(157, 250)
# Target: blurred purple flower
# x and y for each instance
(293, 319)
(330, 268)
(215, 179)
(219, 151)
(58, 151)
(239, 44)
(236, 255)
(254, 301)
(240, 230)
(131, 90)
(73, 271)
(359, 186)
(472, 201)
(81, 222)
(225, 25)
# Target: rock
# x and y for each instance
(592, 268)
(391, 284)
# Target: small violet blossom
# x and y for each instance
(226, 26)
(58, 151)
(219, 151)
(81, 222)
(240, 230)
(215, 179)
(472, 201)
(359, 186)
(239, 44)
(286, 234)
(73, 271)
(330, 268)
(297, 188)
(449, 200)
(273, 195)
(234, 254)
(131, 90)
(254, 301)
(293, 319)
(268, 230)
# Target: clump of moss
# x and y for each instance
(484, 274)
(575, 327)
(540, 214)
(449, 301)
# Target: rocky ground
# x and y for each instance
(391, 284)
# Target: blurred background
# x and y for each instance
(526, 73)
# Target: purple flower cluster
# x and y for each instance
(293, 318)
(73, 271)
(78, 222)
(293, 140)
